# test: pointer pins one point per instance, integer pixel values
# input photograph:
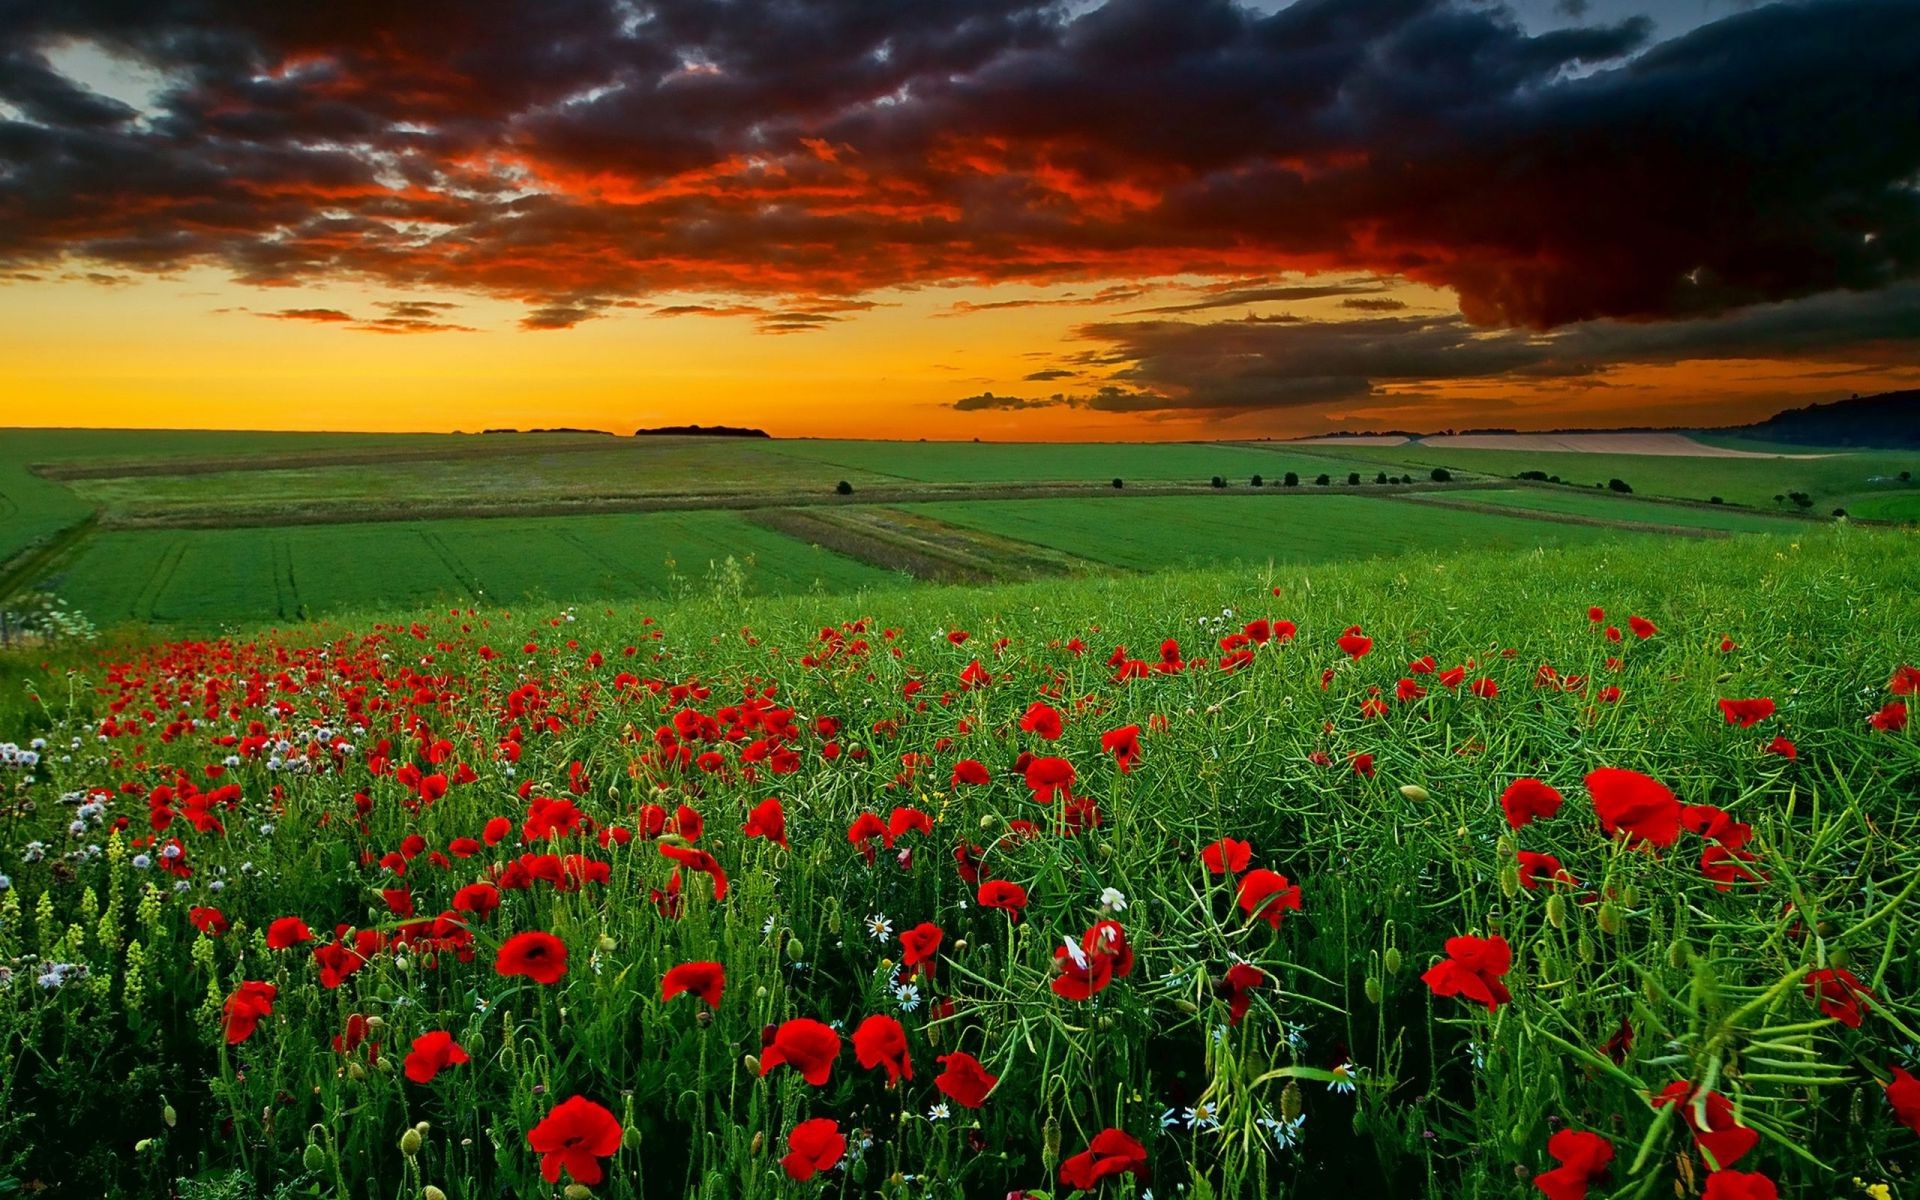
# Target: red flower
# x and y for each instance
(1642, 628)
(1043, 720)
(1596, 614)
(1747, 713)
(1472, 969)
(1839, 993)
(969, 770)
(1903, 1092)
(539, 956)
(287, 932)
(998, 893)
(1085, 969)
(865, 828)
(813, 1146)
(1484, 687)
(768, 820)
(1528, 799)
(1047, 776)
(1721, 1138)
(249, 1002)
(477, 898)
(1536, 867)
(210, 921)
(1890, 719)
(576, 1135)
(964, 1080)
(920, 944)
(1266, 896)
(1354, 643)
(699, 860)
(1582, 1157)
(1739, 1185)
(1110, 1153)
(881, 1042)
(1725, 866)
(1228, 856)
(433, 1053)
(1638, 805)
(703, 979)
(1905, 681)
(1124, 744)
(804, 1044)
(1237, 986)
(1784, 748)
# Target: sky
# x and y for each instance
(1004, 219)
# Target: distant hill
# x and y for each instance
(555, 429)
(702, 431)
(1888, 421)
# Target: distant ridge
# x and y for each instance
(1887, 421)
(702, 431)
(555, 429)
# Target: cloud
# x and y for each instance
(1374, 303)
(1241, 297)
(323, 315)
(402, 316)
(1049, 374)
(567, 155)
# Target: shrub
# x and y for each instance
(1219, 481)
(1715, 500)
(1620, 485)
(1380, 478)
(1118, 483)
(1258, 481)
(1536, 476)
(1353, 479)
(843, 488)
(1441, 475)
(1323, 481)
(1292, 479)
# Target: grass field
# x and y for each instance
(1601, 506)
(406, 906)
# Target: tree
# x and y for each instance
(1292, 479)
(843, 488)
(1715, 500)
(1906, 477)
(1118, 483)
(1441, 475)
(1620, 485)
(1219, 481)
(1353, 479)
(1258, 481)
(1380, 477)
(1323, 481)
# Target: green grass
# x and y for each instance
(203, 577)
(1156, 532)
(1045, 462)
(121, 1083)
(1607, 507)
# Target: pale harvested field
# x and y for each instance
(1674, 445)
(1363, 439)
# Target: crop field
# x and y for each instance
(1625, 511)
(1578, 871)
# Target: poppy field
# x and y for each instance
(1584, 872)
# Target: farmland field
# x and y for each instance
(1371, 877)
(1602, 506)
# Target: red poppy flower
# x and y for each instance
(1267, 896)
(1472, 969)
(998, 893)
(210, 921)
(1085, 969)
(1042, 720)
(1721, 1138)
(1642, 628)
(1124, 744)
(1237, 986)
(433, 1053)
(971, 771)
(1838, 992)
(768, 820)
(1582, 1157)
(539, 956)
(1362, 765)
(1048, 776)
(964, 1080)
(1903, 1092)
(576, 1135)
(1739, 1185)
(1715, 824)
(902, 821)
(703, 979)
(287, 932)
(879, 1041)
(1747, 713)
(695, 859)
(1355, 644)
(1111, 1152)
(1596, 614)
(919, 944)
(1485, 688)
(1534, 868)
(477, 898)
(1905, 681)
(1726, 866)
(1784, 748)
(249, 1003)
(1528, 799)
(1228, 856)
(812, 1147)
(1638, 805)
(807, 1045)
(1890, 719)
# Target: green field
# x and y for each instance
(1603, 506)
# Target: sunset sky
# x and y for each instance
(965, 218)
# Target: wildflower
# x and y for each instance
(1111, 1152)
(1903, 1093)
(432, 1053)
(1526, 800)
(1582, 1157)
(1201, 1117)
(1739, 1185)
(1747, 713)
(998, 893)
(939, 1112)
(576, 1135)
(702, 979)
(1636, 805)
(768, 820)
(806, 1045)
(1721, 1138)
(1285, 1131)
(964, 1080)
(1228, 856)
(1472, 969)
(287, 932)
(245, 1007)
(539, 956)
(1267, 896)
(1237, 986)
(879, 927)
(1345, 1079)
(1838, 993)
(813, 1146)
(881, 1042)
(1113, 899)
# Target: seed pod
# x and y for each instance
(1584, 947)
(577, 1191)
(1290, 1104)
(410, 1142)
(1392, 960)
(1679, 954)
(431, 1192)
(1050, 1142)
(1415, 793)
(1509, 879)
(171, 1117)
(608, 944)
(795, 948)
(752, 1063)
(1609, 918)
(1557, 911)
(1186, 1006)
(630, 1137)
(1374, 991)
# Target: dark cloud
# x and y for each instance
(1241, 297)
(1374, 303)
(323, 315)
(576, 154)
(402, 316)
(1048, 375)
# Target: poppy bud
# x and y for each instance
(1609, 917)
(886, 964)
(752, 1064)
(141, 1145)
(630, 1137)
(171, 1117)
(1557, 911)
(1373, 990)
(608, 944)
(402, 963)
(1392, 959)
(1584, 948)
(431, 1192)
(1679, 954)
(1509, 879)
(933, 1037)
(422, 1128)
(897, 1179)
(960, 945)
(410, 1142)
(356, 1071)
(313, 1158)
(1856, 1108)
(1415, 793)
(1050, 1142)
(577, 1191)
(761, 993)
(1290, 1103)
(795, 948)
(1106, 1021)
(833, 919)
(1825, 928)
(383, 1064)
(376, 1023)
(1187, 1006)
